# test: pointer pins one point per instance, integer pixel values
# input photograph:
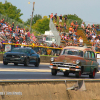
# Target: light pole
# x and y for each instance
(31, 16)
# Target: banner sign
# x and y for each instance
(7, 47)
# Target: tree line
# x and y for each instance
(39, 24)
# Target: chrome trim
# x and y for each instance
(64, 68)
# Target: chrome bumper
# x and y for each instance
(64, 69)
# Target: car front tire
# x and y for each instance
(26, 63)
(66, 73)
(15, 64)
(78, 74)
(53, 71)
(5, 63)
(37, 63)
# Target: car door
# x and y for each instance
(93, 61)
(32, 56)
(87, 57)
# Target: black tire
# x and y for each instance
(78, 74)
(5, 63)
(26, 63)
(53, 71)
(66, 73)
(15, 64)
(37, 63)
(92, 75)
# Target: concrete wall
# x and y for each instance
(1, 57)
(44, 59)
(48, 90)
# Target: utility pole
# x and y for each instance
(32, 17)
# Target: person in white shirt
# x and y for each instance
(23, 43)
(82, 25)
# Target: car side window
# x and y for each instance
(87, 54)
(32, 52)
(92, 55)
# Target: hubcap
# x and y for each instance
(80, 73)
(94, 73)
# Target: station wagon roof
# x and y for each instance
(78, 48)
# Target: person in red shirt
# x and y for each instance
(17, 42)
(51, 16)
(28, 36)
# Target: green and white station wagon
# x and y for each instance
(77, 60)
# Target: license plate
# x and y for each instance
(11, 58)
(55, 67)
(72, 69)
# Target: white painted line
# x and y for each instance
(26, 70)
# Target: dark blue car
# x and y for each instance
(24, 56)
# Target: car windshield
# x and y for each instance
(72, 52)
(21, 50)
(50, 39)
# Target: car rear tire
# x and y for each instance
(92, 75)
(15, 64)
(53, 71)
(37, 63)
(78, 74)
(66, 73)
(26, 63)
(5, 63)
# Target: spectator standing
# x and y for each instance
(97, 28)
(25, 36)
(76, 25)
(28, 36)
(60, 28)
(60, 19)
(55, 17)
(94, 36)
(57, 27)
(9, 41)
(72, 23)
(12, 25)
(23, 43)
(93, 27)
(65, 18)
(80, 40)
(51, 16)
(17, 42)
(82, 25)
(65, 26)
(70, 31)
(13, 40)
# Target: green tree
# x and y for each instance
(35, 18)
(41, 25)
(1, 8)
(73, 18)
(11, 11)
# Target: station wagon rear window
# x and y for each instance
(72, 52)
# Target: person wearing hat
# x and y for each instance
(70, 31)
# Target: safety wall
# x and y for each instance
(49, 90)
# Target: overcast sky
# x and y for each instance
(87, 10)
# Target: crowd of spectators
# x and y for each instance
(71, 37)
(9, 33)
(92, 36)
